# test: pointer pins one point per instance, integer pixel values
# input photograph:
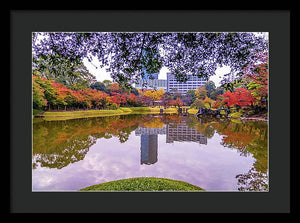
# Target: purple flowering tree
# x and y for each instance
(124, 53)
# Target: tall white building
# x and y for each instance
(192, 83)
(152, 84)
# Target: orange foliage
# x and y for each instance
(237, 139)
(154, 123)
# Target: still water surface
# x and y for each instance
(217, 155)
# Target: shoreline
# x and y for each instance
(77, 114)
(255, 118)
(66, 115)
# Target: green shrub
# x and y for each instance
(222, 112)
(36, 111)
(235, 115)
(251, 112)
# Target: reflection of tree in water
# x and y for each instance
(209, 131)
(201, 125)
(249, 138)
(171, 118)
(124, 134)
(56, 144)
(253, 181)
(67, 152)
(155, 122)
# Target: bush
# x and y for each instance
(235, 115)
(222, 112)
(113, 106)
(36, 111)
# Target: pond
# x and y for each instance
(217, 155)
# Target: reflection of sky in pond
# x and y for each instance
(210, 166)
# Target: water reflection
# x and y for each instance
(174, 132)
(182, 133)
(149, 146)
(149, 143)
(58, 144)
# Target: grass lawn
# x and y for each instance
(143, 184)
(65, 115)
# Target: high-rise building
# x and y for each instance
(150, 76)
(151, 81)
(154, 84)
(192, 83)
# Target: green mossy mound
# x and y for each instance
(143, 184)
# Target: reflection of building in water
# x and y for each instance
(149, 143)
(150, 131)
(149, 146)
(181, 132)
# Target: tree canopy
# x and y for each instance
(128, 55)
(53, 67)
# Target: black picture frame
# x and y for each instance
(23, 200)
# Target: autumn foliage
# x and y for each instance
(240, 97)
(50, 94)
(178, 102)
(153, 95)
